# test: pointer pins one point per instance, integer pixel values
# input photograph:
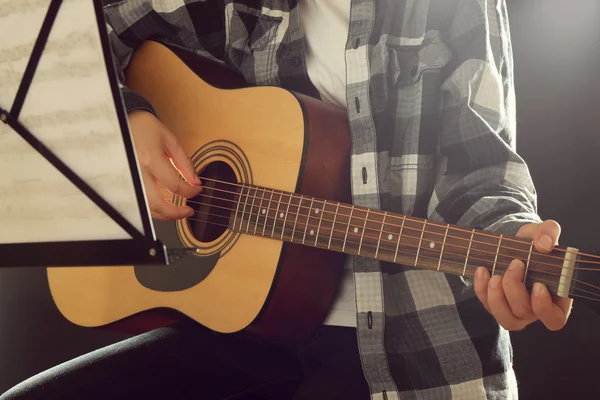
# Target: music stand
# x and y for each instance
(70, 187)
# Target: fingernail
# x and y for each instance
(494, 282)
(546, 242)
(197, 180)
(538, 288)
(189, 214)
(478, 273)
(513, 265)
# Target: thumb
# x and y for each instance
(181, 161)
(545, 234)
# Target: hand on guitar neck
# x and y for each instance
(507, 298)
(156, 147)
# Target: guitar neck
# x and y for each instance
(394, 238)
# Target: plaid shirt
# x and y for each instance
(431, 108)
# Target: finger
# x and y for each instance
(499, 306)
(181, 160)
(159, 208)
(166, 195)
(553, 314)
(167, 176)
(545, 235)
(516, 293)
(482, 277)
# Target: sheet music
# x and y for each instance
(70, 109)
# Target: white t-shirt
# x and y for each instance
(325, 24)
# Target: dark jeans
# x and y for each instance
(187, 361)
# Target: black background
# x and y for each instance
(557, 65)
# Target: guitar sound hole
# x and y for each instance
(215, 204)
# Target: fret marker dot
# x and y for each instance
(355, 230)
(264, 211)
(281, 215)
(312, 232)
(431, 245)
(390, 236)
(316, 210)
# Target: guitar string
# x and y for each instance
(385, 240)
(411, 237)
(409, 254)
(499, 271)
(304, 225)
(538, 255)
(405, 217)
(393, 242)
(405, 227)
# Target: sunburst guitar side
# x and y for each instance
(264, 136)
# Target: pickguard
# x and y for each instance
(187, 272)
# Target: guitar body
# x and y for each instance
(264, 136)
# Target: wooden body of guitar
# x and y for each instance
(264, 136)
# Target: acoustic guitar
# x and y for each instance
(274, 222)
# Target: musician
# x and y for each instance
(428, 88)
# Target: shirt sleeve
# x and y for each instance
(132, 22)
(485, 183)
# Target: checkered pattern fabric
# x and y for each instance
(431, 108)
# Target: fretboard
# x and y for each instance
(387, 236)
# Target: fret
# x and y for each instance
(258, 212)
(362, 235)
(251, 208)
(399, 236)
(333, 224)
(276, 214)
(527, 264)
(468, 252)
(347, 229)
(443, 244)
(320, 219)
(296, 219)
(420, 240)
(496, 258)
(267, 212)
(287, 211)
(307, 219)
(237, 207)
(380, 233)
(244, 210)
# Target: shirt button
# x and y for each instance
(295, 61)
